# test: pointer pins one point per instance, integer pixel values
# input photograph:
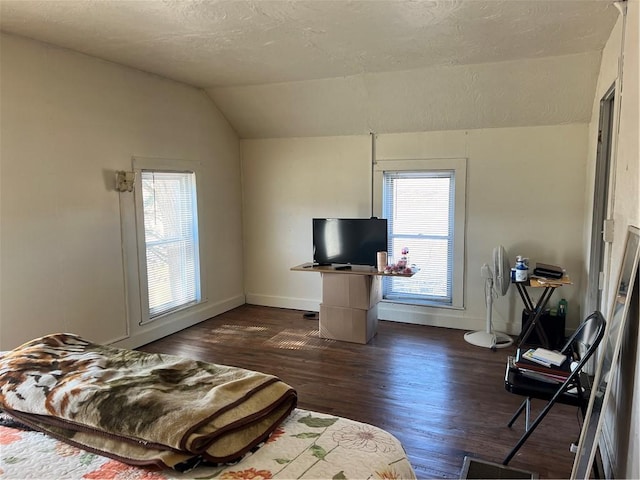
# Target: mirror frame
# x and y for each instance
(608, 358)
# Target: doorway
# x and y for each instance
(600, 202)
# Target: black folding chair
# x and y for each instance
(575, 390)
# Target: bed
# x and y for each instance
(74, 409)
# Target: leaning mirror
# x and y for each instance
(608, 358)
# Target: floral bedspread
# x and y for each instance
(306, 445)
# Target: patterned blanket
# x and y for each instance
(140, 408)
(307, 445)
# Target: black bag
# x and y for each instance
(548, 271)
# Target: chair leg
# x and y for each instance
(524, 405)
(529, 430)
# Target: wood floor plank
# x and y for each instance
(440, 396)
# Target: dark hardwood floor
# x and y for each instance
(440, 396)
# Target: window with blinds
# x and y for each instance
(169, 209)
(420, 210)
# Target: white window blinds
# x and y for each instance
(171, 240)
(419, 207)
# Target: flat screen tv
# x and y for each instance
(351, 241)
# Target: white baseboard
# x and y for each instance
(284, 302)
(189, 317)
(395, 312)
(429, 316)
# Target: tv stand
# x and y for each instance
(350, 296)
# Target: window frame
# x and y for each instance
(459, 167)
(163, 165)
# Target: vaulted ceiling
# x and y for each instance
(279, 68)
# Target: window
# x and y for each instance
(167, 217)
(423, 202)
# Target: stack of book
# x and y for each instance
(542, 364)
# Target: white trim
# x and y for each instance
(136, 271)
(170, 164)
(283, 302)
(436, 317)
(182, 320)
(459, 165)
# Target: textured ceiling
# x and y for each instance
(221, 45)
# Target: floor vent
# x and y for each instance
(481, 469)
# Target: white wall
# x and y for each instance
(522, 92)
(287, 182)
(525, 190)
(68, 122)
(621, 450)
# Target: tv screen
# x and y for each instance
(353, 241)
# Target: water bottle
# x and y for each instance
(522, 271)
(562, 308)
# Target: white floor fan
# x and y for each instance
(496, 283)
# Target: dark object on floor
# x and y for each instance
(553, 327)
(476, 468)
(310, 315)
